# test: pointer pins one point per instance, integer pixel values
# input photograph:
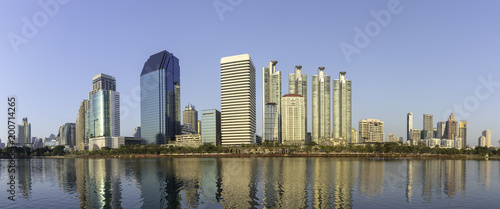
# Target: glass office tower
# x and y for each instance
(160, 98)
(103, 116)
(211, 131)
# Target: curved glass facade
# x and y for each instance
(160, 98)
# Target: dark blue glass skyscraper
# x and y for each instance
(160, 98)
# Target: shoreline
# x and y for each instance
(332, 155)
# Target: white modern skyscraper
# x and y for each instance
(297, 84)
(342, 108)
(321, 108)
(293, 112)
(271, 93)
(237, 100)
(409, 125)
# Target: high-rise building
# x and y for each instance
(451, 128)
(104, 107)
(190, 116)
(271, 93)
(24, 133)
(160, 98)
(371, 130)
(441, 128)
(297, 84)
(487, 136)
(342, 108)
(269, 122)
(409, 125)
(81, 134)
(428, 126)
(463, 132)
(321, 99)
(293, 113)
(211, 131)
(481, 141)
(416, 135)
(68, 134)
(237, 100)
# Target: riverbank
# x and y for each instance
(333, 155)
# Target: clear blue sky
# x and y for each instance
(427, 58)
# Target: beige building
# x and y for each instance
(392, 138)
(354, 136)
(451, 128)
(187, 140)
(371, 130)
(293, 115)
(321, 105)
(416, 134)
(190, 116)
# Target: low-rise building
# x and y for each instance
(186, 140)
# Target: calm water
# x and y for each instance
(252, 183)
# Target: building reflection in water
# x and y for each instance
(24, 177)
(484, 173)
(371, 177)
(436, 177)
(248, 182)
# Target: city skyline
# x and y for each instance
(386, 63)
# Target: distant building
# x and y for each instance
(487, 138)
(271, 94)
(297, 84)
(160, 98)
(392, 138)
(187, 140)
(354, 136)
(451, 128)
(190, 116)
(24, 133)
(81, 133)
(238, 109)
(416, 135)
(137, 132)
(342, 113)
(187, 129)
(293, 116)
(481, 142)
(463, 132)
(113, 142)
(199, 126)
(321, 105)
(371, 130)
(211, 131)
(400, 139)
(428, 126)
(441, 128)
(409, 125)
(67, 133)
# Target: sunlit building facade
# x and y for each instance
(160, 98)
(238, 110)
(321, 105)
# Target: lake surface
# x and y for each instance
(265, 182)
